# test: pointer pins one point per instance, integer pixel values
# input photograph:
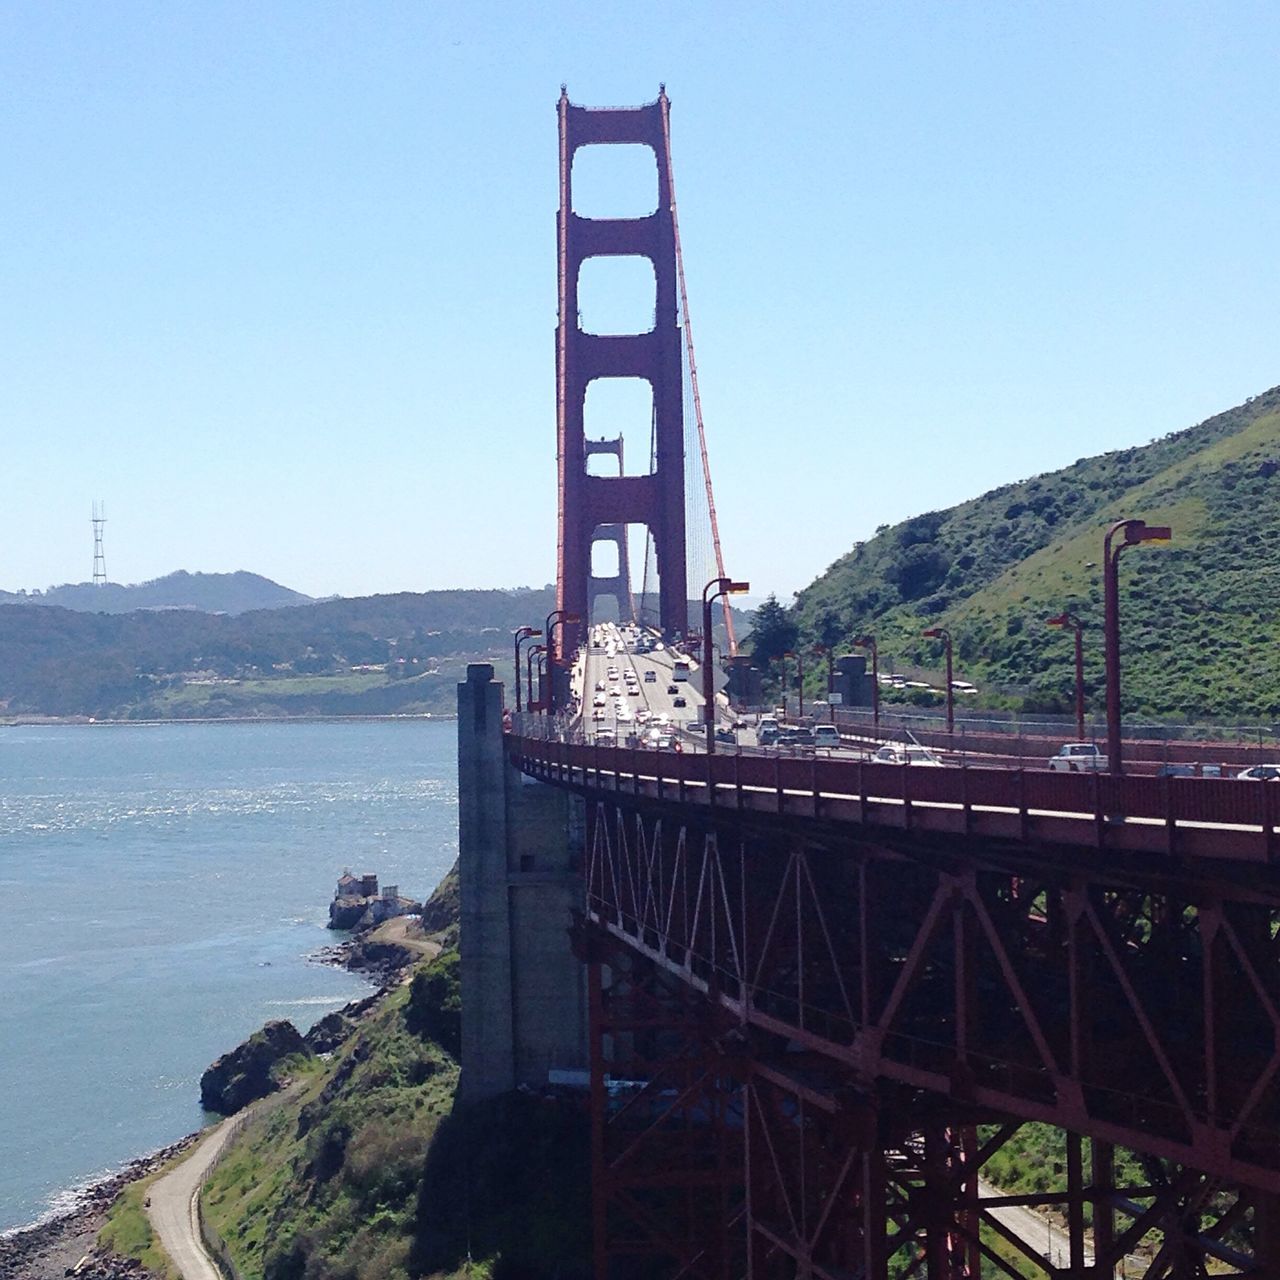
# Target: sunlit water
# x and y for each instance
(161, 889)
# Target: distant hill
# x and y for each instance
(374, 655)
(209, 592)
(1201, 616)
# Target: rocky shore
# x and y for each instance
(66, 1243)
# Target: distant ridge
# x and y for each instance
(231, 593)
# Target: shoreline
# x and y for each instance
(65, 1236)
(62, 1238)
(91, 722)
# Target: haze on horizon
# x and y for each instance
(280, 282)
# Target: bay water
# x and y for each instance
(163, 891)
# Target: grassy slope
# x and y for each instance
(1199, 614)
(374, 1174)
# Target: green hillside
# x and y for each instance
(1200, 616)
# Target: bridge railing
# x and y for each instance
(1207, 817)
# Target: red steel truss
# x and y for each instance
(851, 1020)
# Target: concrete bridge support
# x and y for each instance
(519, 843)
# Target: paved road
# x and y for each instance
(1047, 1239)
(173, 1206)
(653, 696)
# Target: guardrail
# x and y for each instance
(963, 747)
(1220, 818)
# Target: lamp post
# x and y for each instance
(941, 633)
(799, 657)
(1070, 620)
(522, 634)
(544, 690)
(556, 618)
(723, 587)
(869, 642)
(1134, 532)
(530, 653)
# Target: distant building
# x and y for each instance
(357, 903)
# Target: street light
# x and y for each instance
(1070, 620)
(792, 653)
(556, 618)
(1135, 532)
(521, 635)
(869, 642)
(723, 587)
(941, 633)
(530, 653)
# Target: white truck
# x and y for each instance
(1079, 757)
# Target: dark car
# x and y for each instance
(673, 688)
(678, 702)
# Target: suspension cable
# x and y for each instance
(693, 372)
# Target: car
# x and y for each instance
(678, 702)
(633, 690)
(1260, 773)
(673, 688)
(605, 737)
(598, 700)
(826, 735)
(726, 735)
(906, 753)
(1079, 757)
(599, 686)
(650, 677)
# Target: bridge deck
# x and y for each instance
(1214, 818)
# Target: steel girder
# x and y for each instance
(958, 986)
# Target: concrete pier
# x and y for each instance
(524, 1007)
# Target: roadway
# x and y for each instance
(601, 676)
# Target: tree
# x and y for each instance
(773, 633)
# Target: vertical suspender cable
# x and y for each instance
(562, 236)
(693, 371)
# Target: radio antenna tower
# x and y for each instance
(99, 560)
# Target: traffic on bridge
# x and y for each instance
(836, 963)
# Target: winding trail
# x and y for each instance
(173, 1205)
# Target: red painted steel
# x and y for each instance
(1202, 818)
(657, 499)
(885, 999)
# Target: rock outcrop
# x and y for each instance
(248, 1071)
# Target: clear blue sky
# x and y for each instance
(278, 280)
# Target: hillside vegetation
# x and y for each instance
(374, 1172)
(1201, 615)
(376, 655)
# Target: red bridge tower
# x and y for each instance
(589, 505)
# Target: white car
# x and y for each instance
(906, 753)
(1261, 773)
(598, 700)
(1079, 757)
(826, 735)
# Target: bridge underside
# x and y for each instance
(834, 1037)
